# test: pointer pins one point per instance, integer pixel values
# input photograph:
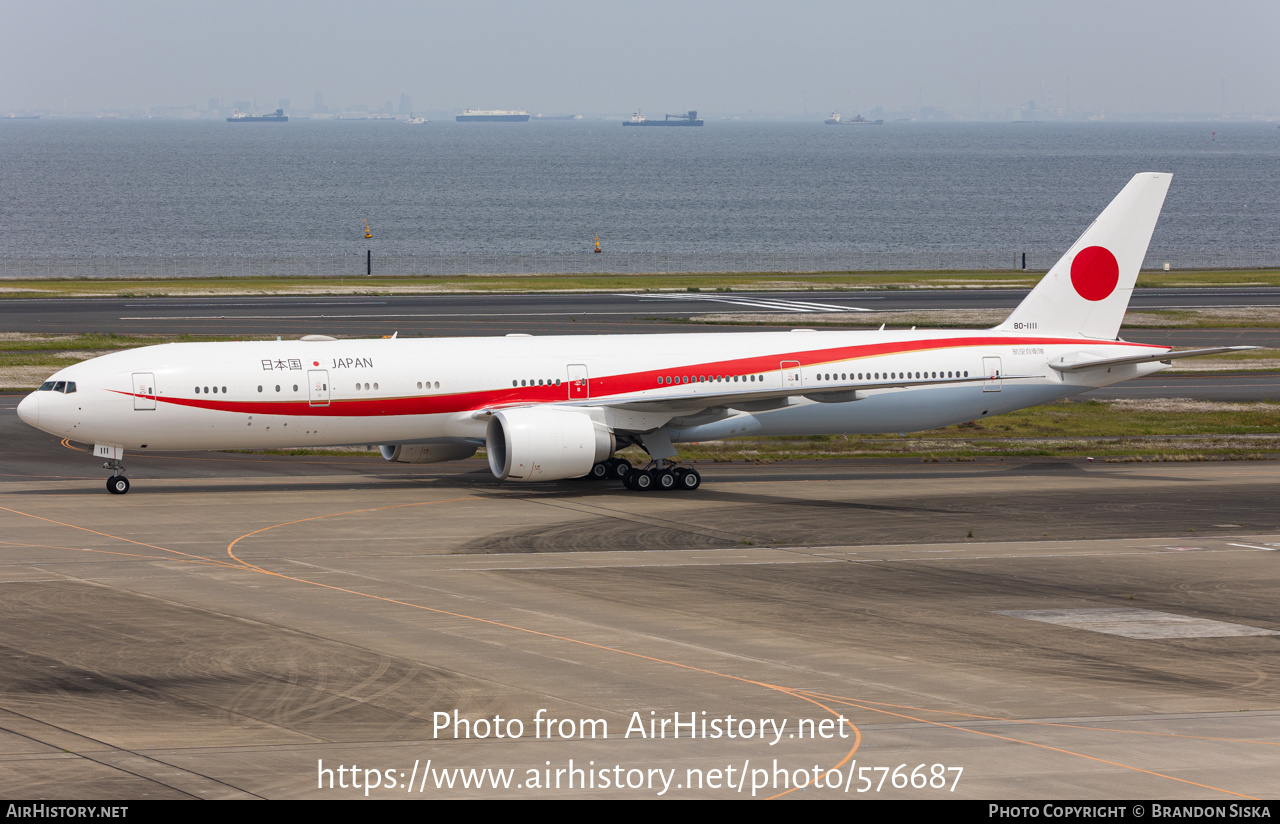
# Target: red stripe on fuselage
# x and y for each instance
(609, 386)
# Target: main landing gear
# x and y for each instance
(663, 478)
(657, 475)
(611, 469)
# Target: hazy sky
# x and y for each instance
(661, 56)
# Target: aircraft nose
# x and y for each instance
(29, 409)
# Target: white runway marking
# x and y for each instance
(776, 304)
(1143, 624)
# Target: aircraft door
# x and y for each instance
(579, 385)
(791, 374)
(318, 387)
(991, 368)
(144, 391)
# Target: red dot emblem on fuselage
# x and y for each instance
(1094, 273)
(315, 363)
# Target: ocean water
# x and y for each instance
(303, 189)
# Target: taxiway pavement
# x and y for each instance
(237, 625)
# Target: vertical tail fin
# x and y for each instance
(1087, 291)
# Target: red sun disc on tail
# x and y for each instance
(1094, 273)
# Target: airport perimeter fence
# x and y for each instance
(637, 263)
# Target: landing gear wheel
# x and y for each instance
(619, 468)
(641, 480)
(665, 480)
(599, 471)
(688, 479)
(117, 484)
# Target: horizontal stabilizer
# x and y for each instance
(1068, 365)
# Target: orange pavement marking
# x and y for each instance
(852, 703)
(122, 554)
(117, 537)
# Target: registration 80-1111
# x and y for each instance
(923, 776)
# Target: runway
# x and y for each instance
(585, 314)
(538, 313)
(240, 624)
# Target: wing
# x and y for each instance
(711, 396)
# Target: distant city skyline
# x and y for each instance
(983, 60)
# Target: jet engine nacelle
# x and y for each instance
(545, 444)
(427, 452)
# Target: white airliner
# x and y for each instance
(548, 408)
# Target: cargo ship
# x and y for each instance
(858, 120)
(690, 118)
(241, 117)
(495, 116)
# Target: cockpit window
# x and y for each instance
(60, 386)
(71, 387)
(46, 386)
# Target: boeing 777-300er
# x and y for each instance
(547, 408)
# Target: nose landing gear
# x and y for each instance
(117, 484)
